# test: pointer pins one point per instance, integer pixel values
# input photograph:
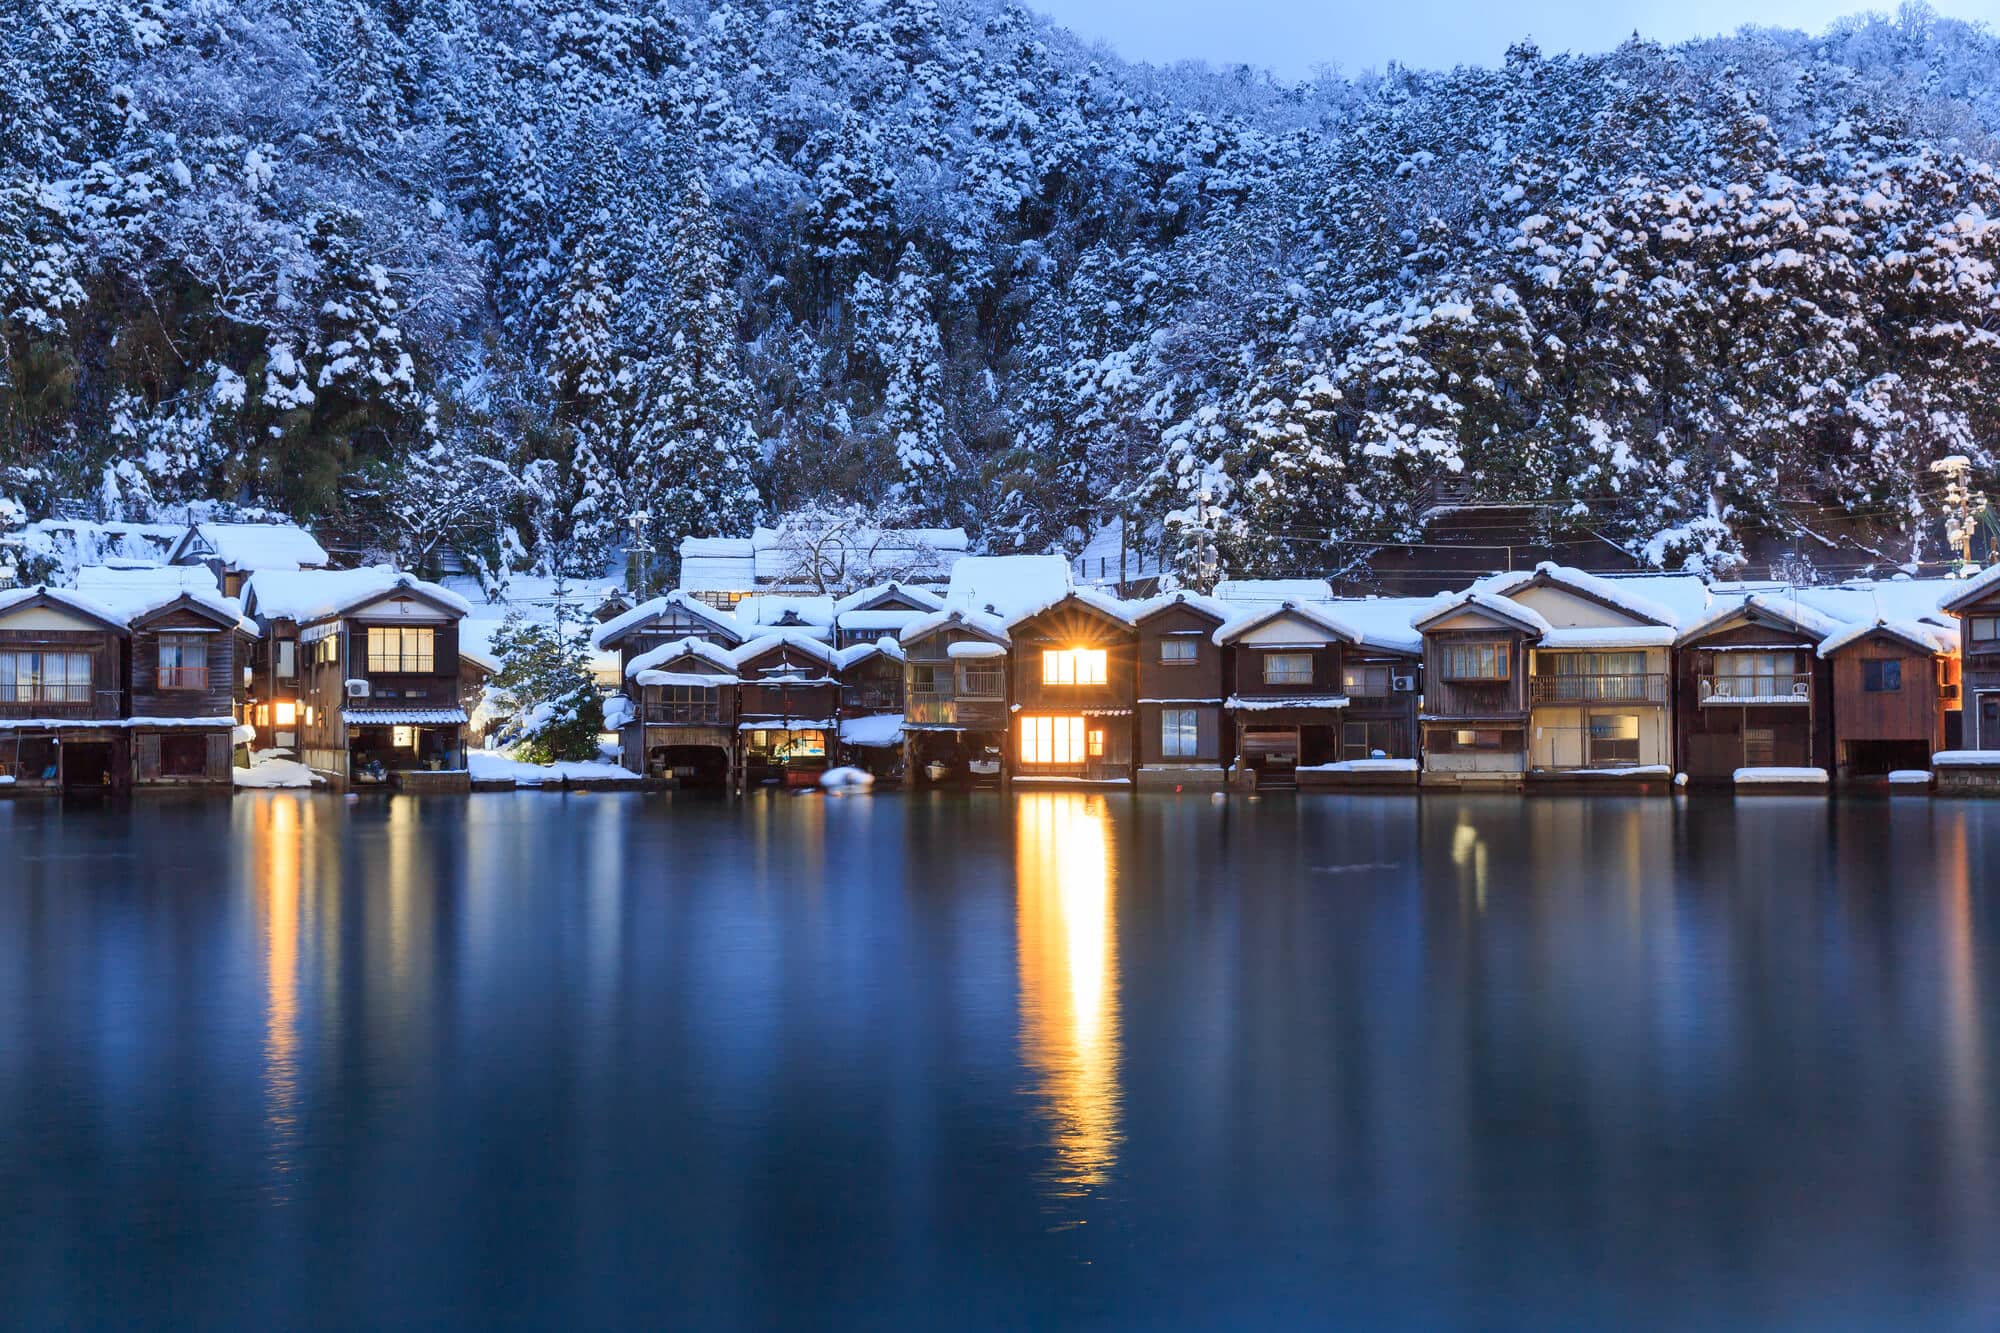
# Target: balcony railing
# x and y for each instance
(1782, 687)
(40, 692)
(869, 699)
(933, 707)
(1622, 688)
(183, 678)
(988, 683)
(684, 714)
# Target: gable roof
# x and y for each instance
(1005, 585)
(1111, 608)
(1525, 618)
(1590, 587)
(1213, 607)
(611, 631)
(1314, 613)
(1382, 622)
(872, 597)
(1780, 609)
(252, 546)
(141, 592)
(885, 646)
(716, 660)
(1974, 588)
(321, 594)
(17, 599)
(978, 622)
(1922, 637)
(797, 640)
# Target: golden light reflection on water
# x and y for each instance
(1067, 949)
(281, 838)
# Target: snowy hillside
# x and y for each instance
(494, 278)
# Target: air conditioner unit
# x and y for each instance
(1949, 691)
(357, 689)
(1403, 684)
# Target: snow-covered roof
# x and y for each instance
(320, 594)
(772, 557)
(1273, 590)
(63, 597)
(766, 608)
(1112, 608)
(135, 591)
(844, 658)
(802, 640)
(1924, 638)
(1478, 598)
(1006, 585)
(611, 630)
(252, 546)
(875, 731)
(1785, 608)
(1964, 592)
(859, 599)
(1624, 598)
(978, 622)
(699, 649)
(1313, 613)
(975, 650)
(1382, 622)
(862, 621)
(1212, 607)
(1870, 600)
(1609, 636)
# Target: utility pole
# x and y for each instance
(1207, 559)
(1963, 506)
(638, 557)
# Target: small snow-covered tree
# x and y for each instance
(543, 697)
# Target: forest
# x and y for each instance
(521, 283)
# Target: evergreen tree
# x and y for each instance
(543, 696)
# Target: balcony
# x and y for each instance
(870, 699)
(22, 699)
(1782, 687)
(1621, 688)
(183, 678)
(930, 707)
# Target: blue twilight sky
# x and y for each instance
(1293, 36)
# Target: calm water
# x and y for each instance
(974, 1062)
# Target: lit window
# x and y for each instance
(1614, 738)
(1288, 668)
(1180, 733)
(1882, 675)
(401, 648)
(1480, 660)
(1179, 650)
(1073, 666)
(1053, 740)
(1096, 743)
(403, 738)
(288, 713)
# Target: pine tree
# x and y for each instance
(544, 697)
(912, 417)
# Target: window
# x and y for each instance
(1179, 650)
(44, 678)
(1986, 628)
(1614, 738)
(1073, 666)
(1486, 659)
(983, 682)
(1052, 740)
(1288, 668)
(1477, 740)
(183, 662)
(288, 658)
(326, 651)
(400, 648)
(1881, 675)
(1180, 733)
(1759, 675)
(1096, 743)
(1364, 682)
(287, 714)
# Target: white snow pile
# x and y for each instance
(838, 779)
(1910, 777)
(272, 773)
(493, 766)
(1362, 766)
(879, 731)
(315, 594)
(1781, 777)
(1966, 759)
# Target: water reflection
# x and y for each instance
(1068, 958)
(280, 850)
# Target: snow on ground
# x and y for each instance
(876, 732)
(834, 779)
(1910, 777)
(1361, 766)
(1774, 776)
(492, 766)
(1966, 759)
(274, 773)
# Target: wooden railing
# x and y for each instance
(1767, 687)
(932, 707)
(1624, 687)
(870, 698)
(39, 692)
(183, 678)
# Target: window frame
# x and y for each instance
(1366, 672)
(1287, 655)
(1459, 658)
(1191, 642)
(1180, 733)
(178, 645)
(1881, 675)
(1074, 667)
(421, 662)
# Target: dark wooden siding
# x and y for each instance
(1161, 680)
(107, 675)
(1476, 699)
(1250, 682)
(1072, 625)
(1709, 741)
(216, 694)
(1911, 713)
